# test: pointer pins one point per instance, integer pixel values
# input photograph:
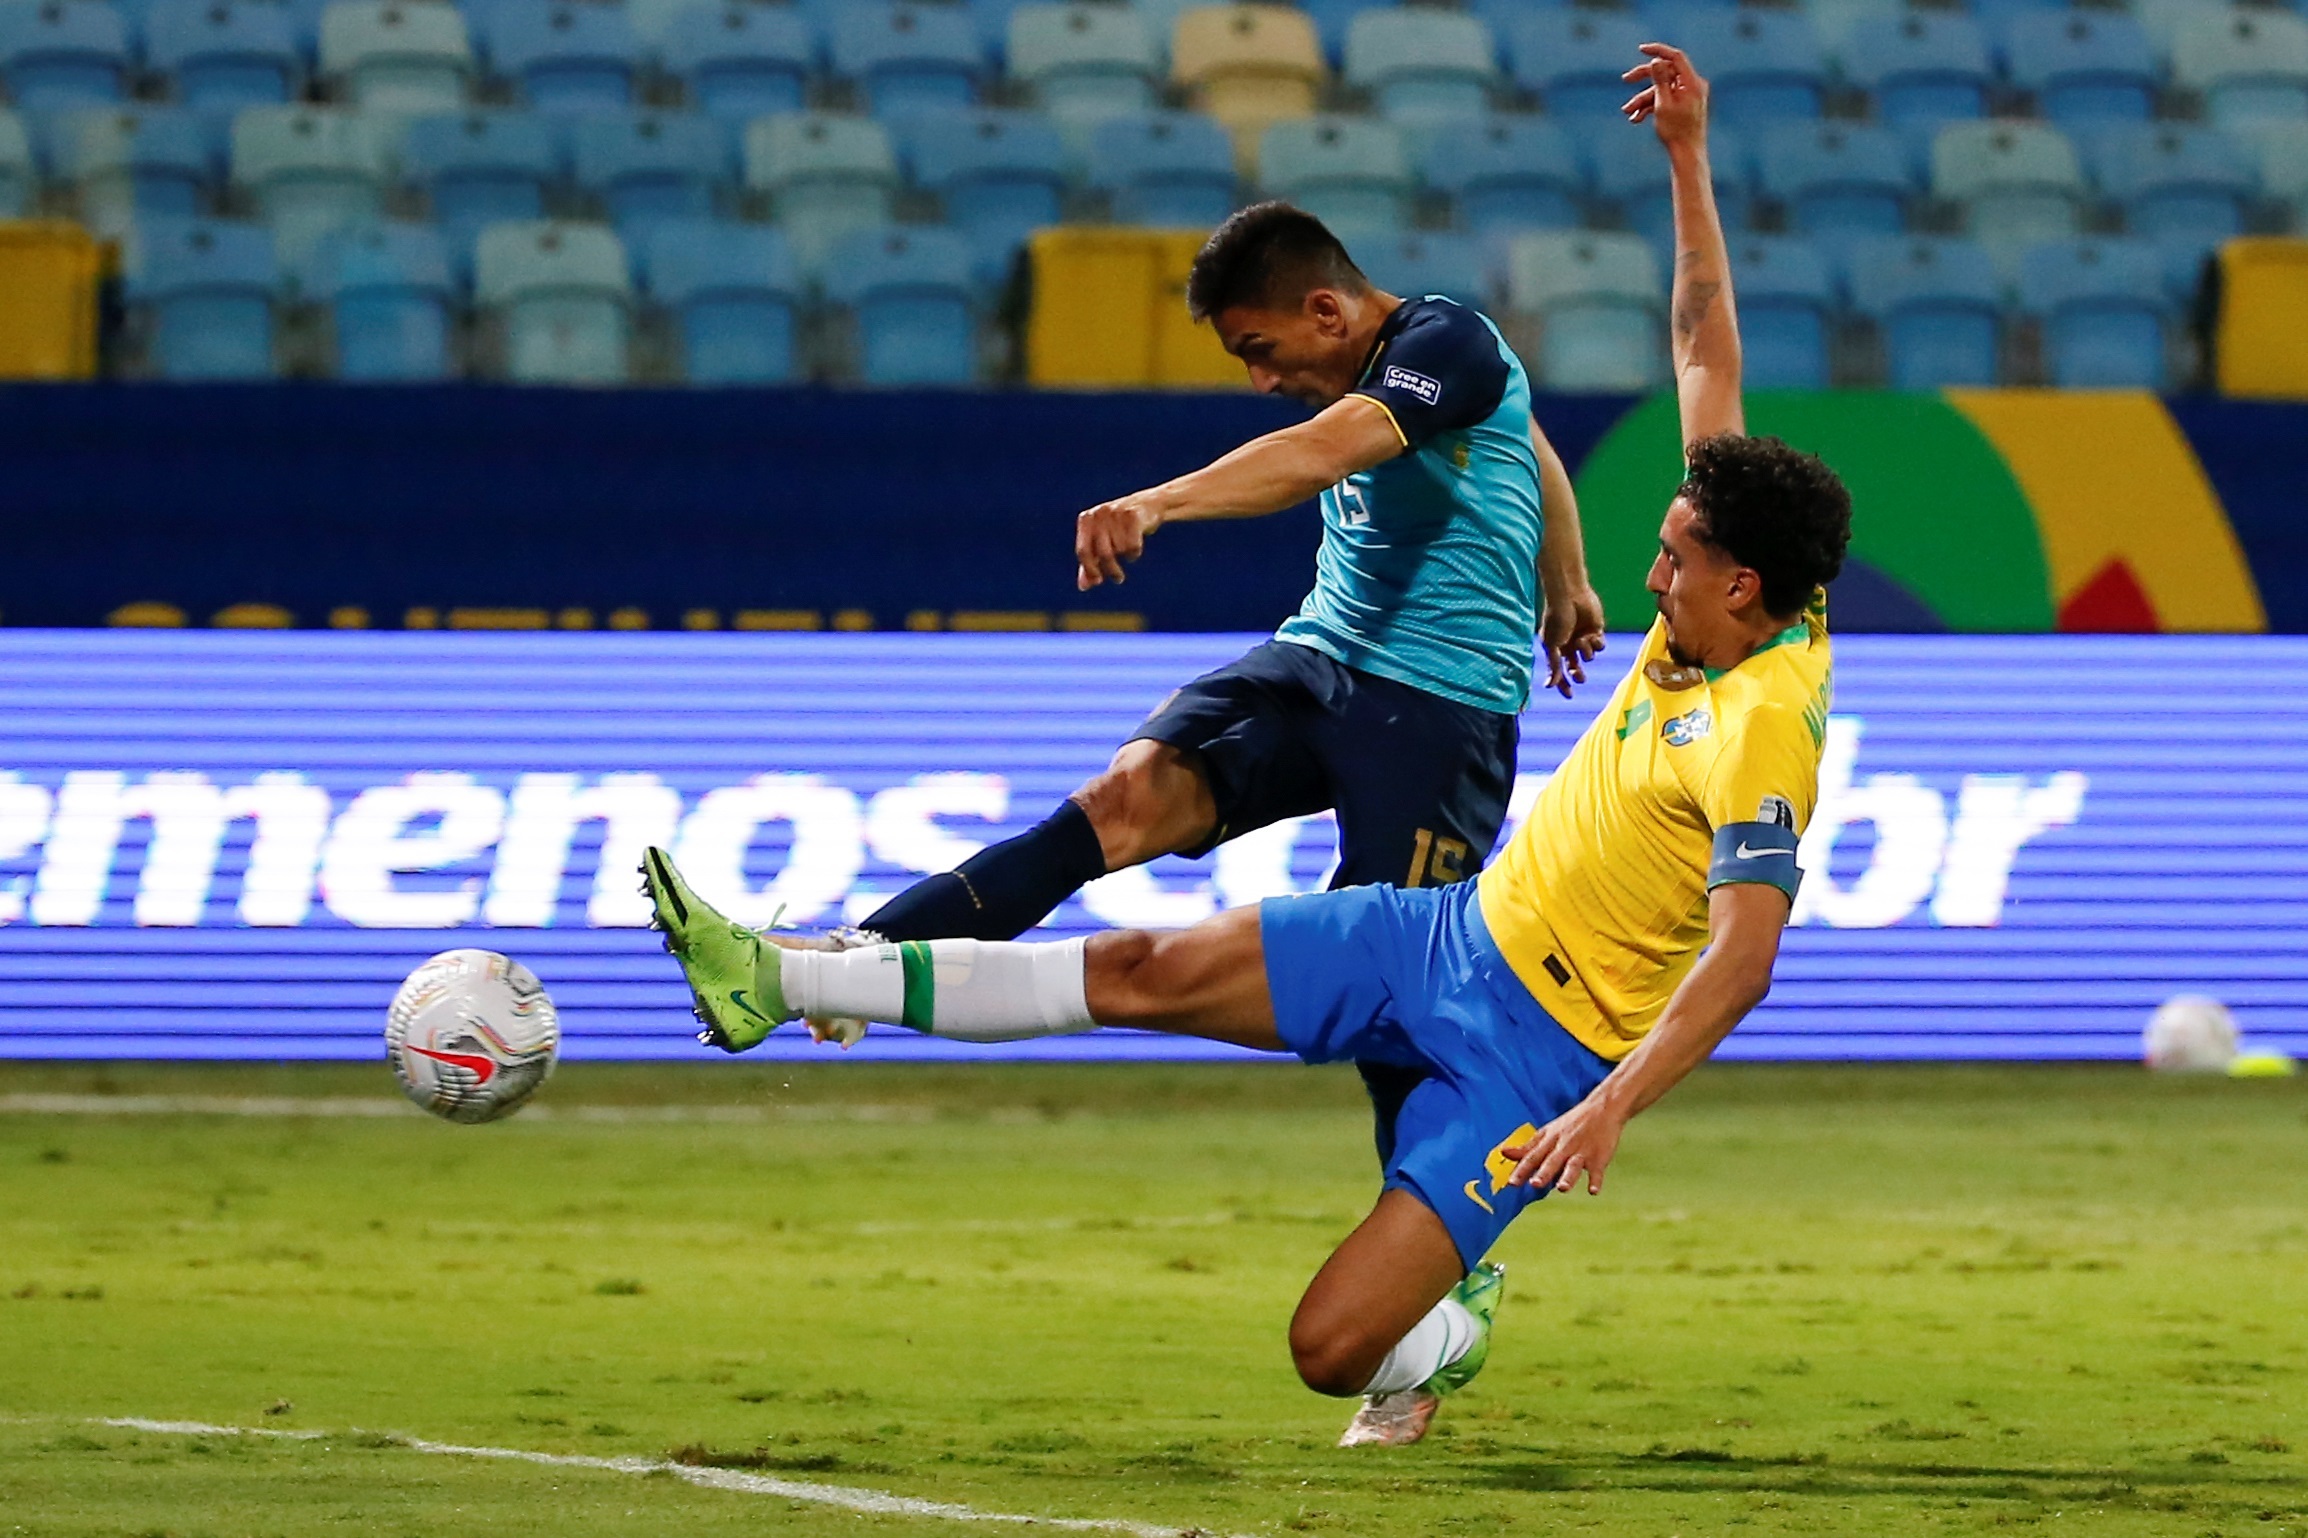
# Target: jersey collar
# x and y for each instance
(1799, 631)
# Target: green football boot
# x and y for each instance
(1479, 1295)
(1399, 1419)
(732, 971)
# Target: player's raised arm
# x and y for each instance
(1673, 99)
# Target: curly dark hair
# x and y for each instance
(1270, 255)
(1771, 508)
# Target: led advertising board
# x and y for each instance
(234, 844)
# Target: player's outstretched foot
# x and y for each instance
(732, 973)
(1397, 1420)
(1391, 1420)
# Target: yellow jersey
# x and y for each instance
(1689, 779)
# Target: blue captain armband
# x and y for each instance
(1759, 853)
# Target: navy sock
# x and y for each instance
(1000, 892)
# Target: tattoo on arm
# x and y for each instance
(1694, 307)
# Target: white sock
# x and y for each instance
(1441, 1338)
(966, 990)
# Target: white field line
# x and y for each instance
(847, 1497)
(361, 1108)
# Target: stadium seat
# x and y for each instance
(908, 295)
(1597, 299)
(2249, 63)
(741, 61)
(1786, 299)
(1836, 20)
(388, 295)
(904, 57)
(1507, 173)
(1333, 20)
(480, 168)
(62, 53)
(1350, 172)
(1938, 305)
(205, 291)
(2101, 304)
(2020, 182)
(1573, 59)
(1420, 64)
(1837, 181)
(2084, 66)
(1000, 173)
(2173, 179)
(736, 297)
(564, 297)
(1083, 61)
(1762, 66)
(826, 175)
(397, 55)
(1250, 67)
(2283, 151)
(1165, 168)
(19, 176)
(310, 170)
(137, 162)
(1631, 171)
(1923, 67)
(648, 167)
(221, 55)
(1413, 266)
(567, 55)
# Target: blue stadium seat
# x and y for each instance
(905, 57)
(62, 53)
(19, 175)
(1507, 173)
(2084, 66)
(2101, 304)
(397, 55)
(908, 293)
(2020, 183)
(1413, 266)
(1597, 299)
(1631, 171)
(1837, 180)
(1924, 67)
(1938, 305)
(1421, 64)
(741, 61)
(1573, 59)
(1083, 61)
(389, 298)
(564, 297)
(827, 175)
(1332, 21)
(2283, 149)
(566, 55)
(1762, 66)
(649, 167)
(1786, 299)
(131, 163)
(736, 296)
(2173, 179)
(1350, 172)
(221, 55)
(1001, 174)
(481, 168)
(310, 170)
(1165, 168)
(205, 289)
(2248, 63)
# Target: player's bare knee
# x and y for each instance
(1330, 1360)
(1118, 978)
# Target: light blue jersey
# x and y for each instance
(1428, 572)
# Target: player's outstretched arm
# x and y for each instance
(1571, 624)
(1265, 475)
(1743, 925)
(1673, 99)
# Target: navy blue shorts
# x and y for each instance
(1414, 979)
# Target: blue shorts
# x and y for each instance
(1413, 978)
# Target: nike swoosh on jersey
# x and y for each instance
(1745, 852)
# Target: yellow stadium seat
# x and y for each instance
(1250, 67)
(49, 274)
(2262, 341)
(1109, 312)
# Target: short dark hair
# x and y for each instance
(1270, 255)
(1773, 509)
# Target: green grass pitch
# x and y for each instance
(1837, 1301)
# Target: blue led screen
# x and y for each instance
(220, 844)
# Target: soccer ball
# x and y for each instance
(2190, 1034)
(471, 1035)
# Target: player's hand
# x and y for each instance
(1673, 96)
(1571, 634)
(1109, 534)
(1581, 1141)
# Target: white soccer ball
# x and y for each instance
(471, 1035)
(2190, 1034)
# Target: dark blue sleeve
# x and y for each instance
(1441, 372)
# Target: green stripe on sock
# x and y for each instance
(921, 984)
